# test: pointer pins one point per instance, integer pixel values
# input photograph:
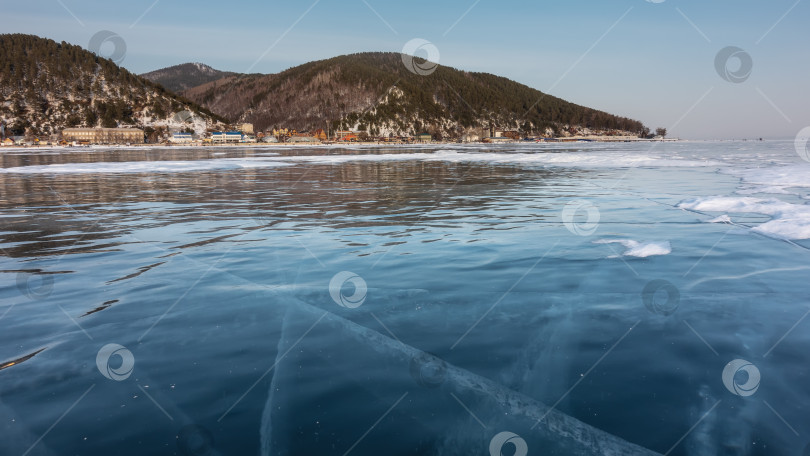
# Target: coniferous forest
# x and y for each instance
(376, 92)
(46, 86)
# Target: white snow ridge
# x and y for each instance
(788, 220)
(639, 249)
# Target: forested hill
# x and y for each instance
(46, 86)
(183, 77)
(376, 92)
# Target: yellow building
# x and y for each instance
(104, 135)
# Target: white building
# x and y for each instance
(226, 137)
(181, 138)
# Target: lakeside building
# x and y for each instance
(104, 135)
(282, 132)
(341, 134)
(226, 137)
(246, 128)
(181, 138)
(424, 137)
(320, 134)
(509, 134)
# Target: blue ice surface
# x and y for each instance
(492, 294)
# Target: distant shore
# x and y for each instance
(600, 139)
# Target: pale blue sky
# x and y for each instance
(651, 61)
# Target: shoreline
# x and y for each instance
(577, 140)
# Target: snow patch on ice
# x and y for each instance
(796, 176)
(639, 249)
(541, 158)
(793, 179)
(587, 159)
(721, 219)
(531, 157)
(788, 221)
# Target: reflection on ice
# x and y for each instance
(144, 167)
